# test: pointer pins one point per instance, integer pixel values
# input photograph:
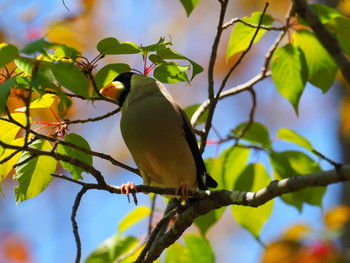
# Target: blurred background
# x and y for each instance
(39, 229)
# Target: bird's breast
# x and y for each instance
(152, 129)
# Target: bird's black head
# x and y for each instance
(125, 79)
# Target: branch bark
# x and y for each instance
(217, 199)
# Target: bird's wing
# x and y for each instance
(203, 178)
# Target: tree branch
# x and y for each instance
(217, 199)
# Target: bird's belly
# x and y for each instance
(156, 141)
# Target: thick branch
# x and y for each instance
(326, 38)
(222, 198)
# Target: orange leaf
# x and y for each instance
(281, 251)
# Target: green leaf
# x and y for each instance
(76, 154)
(8, 53)
(291, 136)
(23, 82)
(161, 44)
(197, 249)
(5, 89)
(340, 27)
(288, 63)
(65, 52)
(242, 35)
(321, 67)
(107, 74)
(253, 179)
(40, 46)
(171, 73)
(292, 163)
(228, 166)
(178, 253)
(69, 76)
(205, 222)
(133, 217)
(257, 133)
(111, 249)
(34, 174)
(324, 14)
(40, 71)
(64, 102)
(189, 5)
(112, 46)
(190, 110)
(168, 53)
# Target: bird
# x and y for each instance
(158, 134)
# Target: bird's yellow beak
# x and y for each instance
(112, 90)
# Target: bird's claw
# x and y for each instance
(183, 191)
(127, 189)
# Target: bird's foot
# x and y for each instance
(127, 189)
(183, 191)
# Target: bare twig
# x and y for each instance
(227, 93)
(278, 40)
(163, 222)
(214, 100)
(239, 20)
(251, 117)
(75, 224)
(99, 118)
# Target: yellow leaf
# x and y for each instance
(6, 167)
(45, 101)
(64, 33)
(296, 233)
(337, 217)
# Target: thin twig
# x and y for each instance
(153, 205)
(163, 222)
(99, 118)
(75, 224)
(8, 158)
(227, 93)
(335, 164)
(239, 20)
(214, 101)
(214, 49)
(278, 40)
(69, 144)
